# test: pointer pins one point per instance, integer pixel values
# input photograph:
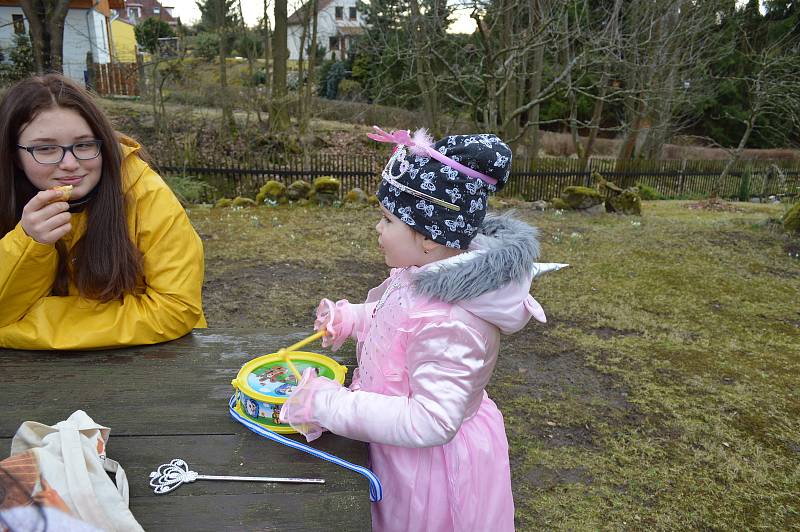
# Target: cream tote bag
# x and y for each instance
(72, 459)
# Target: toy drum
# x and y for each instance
(263, 384)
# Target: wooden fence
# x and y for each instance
(532, 179)
(118, 79)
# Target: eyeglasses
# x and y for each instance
(54, 153)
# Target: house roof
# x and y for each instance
(300, 15)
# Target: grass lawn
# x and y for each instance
(661, 394)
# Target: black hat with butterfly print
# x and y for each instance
(440, 189)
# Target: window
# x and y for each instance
(19, 24)
(134, 13)
(339, 12)
(352, 13)
(156, 10)
(333, 43)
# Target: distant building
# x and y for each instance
(87, 28)
(136, 11)
(124, 40)
(339, 23)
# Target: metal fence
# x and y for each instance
(532, 179)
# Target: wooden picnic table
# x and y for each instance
(170, 401)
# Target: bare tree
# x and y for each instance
(46, 23)
(772, 91)
(279, 117)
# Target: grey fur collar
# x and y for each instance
(508, 248)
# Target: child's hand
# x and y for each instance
(330, 318)
(326, 311)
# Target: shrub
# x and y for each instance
(350, 90)
(223, 202)
(189, 189)
(240, 201)
(646, 192)
(272, 192)
(744, 185)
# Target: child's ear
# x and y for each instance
(428, 245)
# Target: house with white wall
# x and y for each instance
(87, 28)
(339, 23)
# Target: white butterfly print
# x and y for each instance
(422, 161)
(486, 140)
(434, 231)
(456, 244)
(412, 172)
(443, 150)
(425, 207)
(405, 215)
(470, 140)
(451, 141)
(451, 173)
(501, 161)
(453, 225)
(474, 186)
(389, 205)
(456, 158)
(427, 181)
(454, 194)
(475, 205)
(469, 230)
(394, 189)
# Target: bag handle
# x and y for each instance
(77, 477)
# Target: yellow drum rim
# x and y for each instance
(240, 382)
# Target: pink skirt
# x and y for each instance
(463, 485)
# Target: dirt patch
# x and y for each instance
(250, 294)
(545, 478)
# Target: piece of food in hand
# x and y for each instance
(66, 192)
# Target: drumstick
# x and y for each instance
(295, 347)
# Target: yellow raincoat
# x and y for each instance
(168, 306)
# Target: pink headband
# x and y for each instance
(421, 144)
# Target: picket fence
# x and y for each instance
(532, 179)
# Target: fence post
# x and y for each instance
(681, 175)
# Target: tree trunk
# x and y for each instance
(279, 116)
(419, 35)
(46, 23)
(312, 60)
(227, 114)
(717, 186)
(267, 53)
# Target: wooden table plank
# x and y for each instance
(170, 401)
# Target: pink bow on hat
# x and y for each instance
(422, 144)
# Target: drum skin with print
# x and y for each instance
(262, 385)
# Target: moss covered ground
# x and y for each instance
(662, 394)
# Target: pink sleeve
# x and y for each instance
(443, 360)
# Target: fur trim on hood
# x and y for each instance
(502, 253)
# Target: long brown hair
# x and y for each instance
(104, 263)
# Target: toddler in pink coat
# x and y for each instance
(428, 339)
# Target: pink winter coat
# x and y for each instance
(428, 340)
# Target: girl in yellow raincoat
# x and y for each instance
(95, 250)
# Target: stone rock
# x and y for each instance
(356, 195)
(223, 202)
(540, 205)
(327, 185)
(272, 192)
(558, 203)
(791, 220)
(580, 198)
(298, 190)
(240, 201)
(626, 202)
(755, 200)
(595, 209)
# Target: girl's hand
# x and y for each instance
(45, 218)
(326, 312)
